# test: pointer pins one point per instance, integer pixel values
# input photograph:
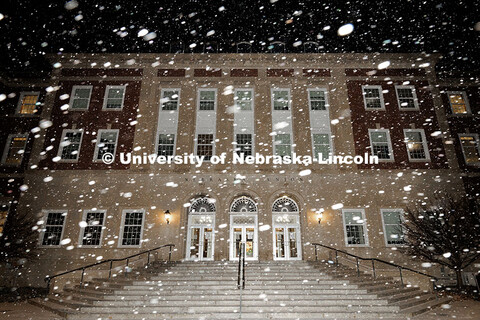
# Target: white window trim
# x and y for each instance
(365, 230)
(162, 93)
(332, 152)
(99, 132)
(42, 234)
(122, 225)
(402, 218)
(7, 147)
(382, 101)
(389, 142)
(213, 144)
(327, 105)
(104, 108)
(289, 99)
(214, 102)
(60, 148)
(253, 99)
(72, 95)
(19, 104)
(82, 229)
(424, 143)
(415, 98)
(477, 139)
(465, 98)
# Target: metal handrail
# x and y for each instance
(373, 260)
(48, 279)
(241, 267)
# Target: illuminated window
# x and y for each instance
(470, 148)
(317, 99)
(14, 149)
(27, 103)
(243, 99)
(169, 100)
(458, 102)
(416, 142)
(3, 216)
(281, 99)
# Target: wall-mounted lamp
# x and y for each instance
(168, 216)
(319, 217)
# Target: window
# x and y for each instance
(132, 228)
(471, 148)
(114, 98)
(458, 102)
(355, 227)
(206, 99)
(317, 99)
(416, 142)
(4, 208)
(14, 149)
(282, 145)
(381, 144)
(106, 143)
(244, 144)
(91, 234)
(243, 100)
(373, 97)
(70, 144)
(407, 97)
(321, 144)
(166, 144)
(281, 99)
(80, 97)
(27, 103)
(392, 226)
(53, 232)
(205, 146)
(169, 100)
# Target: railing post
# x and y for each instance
(336, 257)
(243, 265)
(239, 264)
(81, 279)
(373, 269)
(48, 285)
(358, 267)
(401, 276)
(316, 256)
(148, 257)
(110, 269)
(170, 253)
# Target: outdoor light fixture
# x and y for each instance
(168, 215)
(319, 217)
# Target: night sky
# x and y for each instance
(29, 29)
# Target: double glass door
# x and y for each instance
(286, 243)
(245, 234)
(200, 243)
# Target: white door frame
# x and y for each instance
(244, 227)
(285, 227)
(201, 236)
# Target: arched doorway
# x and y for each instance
(200, 235)
(244, 228)
(286, 230)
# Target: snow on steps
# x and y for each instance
(207, 290)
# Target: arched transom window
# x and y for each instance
(243, 204)
(203, 205)
(284, 204)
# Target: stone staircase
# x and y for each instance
(208, 290)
